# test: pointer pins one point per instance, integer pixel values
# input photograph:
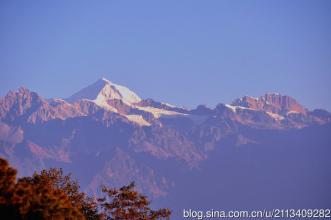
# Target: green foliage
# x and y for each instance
(52, 195)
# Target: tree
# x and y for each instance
(52, 195)
(126, 203)
(27, 199)
(55, 179)
(7, 186)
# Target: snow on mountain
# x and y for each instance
(104, 90)
(144, 139)
(275, 116)
(233, 108)
(272, 109)
(138, 119)
(158, 112)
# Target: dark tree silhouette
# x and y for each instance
(52, 195)
(54, 178)
(7, 187)
(26, 199)
(126, 203)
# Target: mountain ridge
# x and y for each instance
(118, 99)
(119, 140)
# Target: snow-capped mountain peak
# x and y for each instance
(123, 101)
(104, 90)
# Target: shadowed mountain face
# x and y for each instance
(253, 153)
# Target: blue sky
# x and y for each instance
(182, 52)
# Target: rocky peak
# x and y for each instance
(271, 102)
(17, 103)
(24, 105)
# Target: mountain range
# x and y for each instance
(238, 154)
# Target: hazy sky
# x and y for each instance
(182, 52)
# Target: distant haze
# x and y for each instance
(181, 52)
